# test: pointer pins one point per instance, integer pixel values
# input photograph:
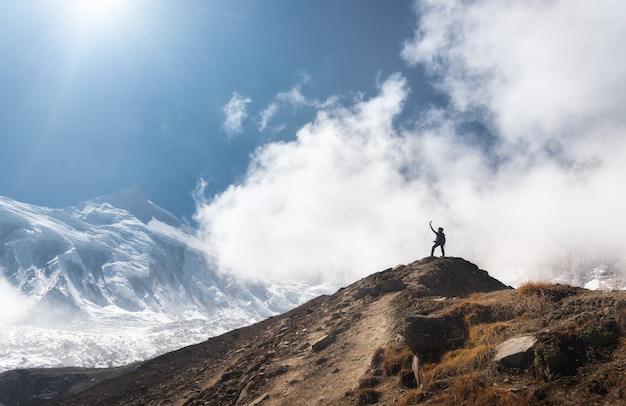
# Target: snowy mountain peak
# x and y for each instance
(135, 202)
(110, 266)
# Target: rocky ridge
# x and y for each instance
(359, 346)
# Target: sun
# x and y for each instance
(99, 9)
(99, 14)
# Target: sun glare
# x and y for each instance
(99, 13)
(99, 9)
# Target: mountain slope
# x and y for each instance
(314, 354)
(113, 281)
(352, 348)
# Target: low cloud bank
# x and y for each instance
(540, 196)
(13, 306)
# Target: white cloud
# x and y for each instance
(293, 99)
(235, 112)
(308, 208)
(552, 78)
(354, 192)
(266, 115)
(545, 70)
(13, 306)
(296, 99)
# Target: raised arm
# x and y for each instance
(431, 227)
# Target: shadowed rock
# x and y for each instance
(427, 333)
(516, 352)
(323, 343)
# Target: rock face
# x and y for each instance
(427, 334)
(452, 277)
(516, 352)
(386, 286)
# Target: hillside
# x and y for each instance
(352, 348)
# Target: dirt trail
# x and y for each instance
(323, 378)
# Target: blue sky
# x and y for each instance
(135, 94)
(320, 138)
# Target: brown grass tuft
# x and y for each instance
(534, 288)
(412, 397)
(491, 395)
(457, 362)
(368, 382)
(462, 386)
(467, 390)
(396, 359)
(378, 357)
(367, 397)
(489, 334)
(407, 379)
(487, 308)
(554, 292)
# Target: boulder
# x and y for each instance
(362, 292)
(323, 342)
(392, 285)
(429, 333)
(386, 286)
(516, 352)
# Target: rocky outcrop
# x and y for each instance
(323, 343)
(386, 286)
(430, 333)
(516, 352)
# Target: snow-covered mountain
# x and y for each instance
(115, 280)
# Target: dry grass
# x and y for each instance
(466, 390)
(367, 397)
(457, 362)
(395, 359)
(377, 361)
(412, 397)
(368, 382)
(463, 386)
(407, 379)
(621, 320)
(490, 334)
(580, 334)
(600, 333)
(554, 292)
(575, 329)
(534, 288)
(489, 308)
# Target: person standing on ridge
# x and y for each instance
(440, 240)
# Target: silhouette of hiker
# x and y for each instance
(440, 240)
